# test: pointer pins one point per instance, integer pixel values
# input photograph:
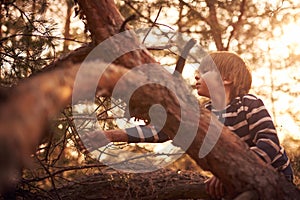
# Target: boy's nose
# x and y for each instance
(197, 77)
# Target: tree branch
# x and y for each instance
(184, 54)
(237, 24)
(104, 21)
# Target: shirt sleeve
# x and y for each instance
(145, 134)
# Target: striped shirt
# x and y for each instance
(247, 117)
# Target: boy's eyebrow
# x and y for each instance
(204, 69)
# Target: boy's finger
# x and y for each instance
(207, 182)
(211, 188)
(218, 189)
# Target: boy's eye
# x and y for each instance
(203, 69)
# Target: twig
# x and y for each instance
(153, 24)
(69, 168)
(182, 58)
(41, 36)
(130, 18)
(50, 176)
(161, 47)
(148, 155)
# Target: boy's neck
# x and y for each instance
(218, 102)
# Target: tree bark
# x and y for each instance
(162, 184)
(27, 109)
(67, 25)
(104, 21)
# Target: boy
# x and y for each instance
(244, 114)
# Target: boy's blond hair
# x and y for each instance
(232, 68)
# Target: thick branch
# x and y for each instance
(105, 21)
(215, 25)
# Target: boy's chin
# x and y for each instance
(200, 93)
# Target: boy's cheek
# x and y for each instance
(214, 82)
(212, 79)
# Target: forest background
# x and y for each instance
(33, 34)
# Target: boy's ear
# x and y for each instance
(227, 82)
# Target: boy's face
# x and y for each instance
(211, 79)
(201, 85)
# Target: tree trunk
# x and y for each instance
(104, 21)
(67, 25)
(27, 109)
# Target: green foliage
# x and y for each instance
(26, 43)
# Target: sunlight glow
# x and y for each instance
(291, 36)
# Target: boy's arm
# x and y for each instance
(264, 136)
(145, 134)
(96, 139)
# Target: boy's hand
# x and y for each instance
(214, 187)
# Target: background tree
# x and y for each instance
(24, 37)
